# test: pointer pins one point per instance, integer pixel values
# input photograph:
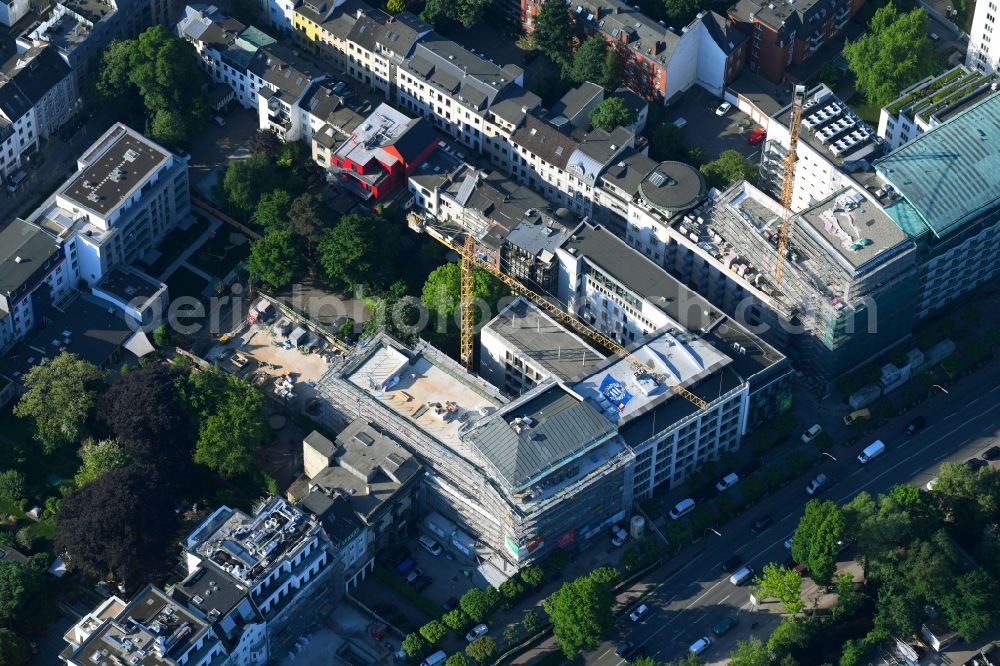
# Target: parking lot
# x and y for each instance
(712, 133)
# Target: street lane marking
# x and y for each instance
(785, 518)
(952, 414)
(724, 599)
(942, 456)
(857, 471)
(995, 388)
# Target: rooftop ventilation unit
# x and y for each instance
(131, 155)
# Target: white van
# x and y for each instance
(435, 659)
(430, 545)
(873, 450)
(684, 507)
(742, 575)
(728, 481)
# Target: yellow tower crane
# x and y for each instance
(470, 260)
(788, 177)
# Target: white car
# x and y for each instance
(476, 632)
(218, 120)
(723, 109)
(788, 542)
(700, 645)
(813, 486)
(638, 612)
(811, 434)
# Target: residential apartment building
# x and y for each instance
(930, 102)
(12, 11)
(983, 53)
(833, 143)
(784, 34)
(152, 628)
(80, 30)
(381, 152)
(126, 195)
(942, 191)
(365, 487)
(259, 578)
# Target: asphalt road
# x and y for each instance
(695, 593)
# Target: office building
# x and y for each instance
(930, 102)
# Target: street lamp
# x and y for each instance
(828, 456)
(938, 386)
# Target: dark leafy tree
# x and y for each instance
(816, 540)
(581, 614)
(894, 53)
(532, 575)
(265, 142)
(305, 220)
(552, 31)
(13, 485)
(457, 659)
(441, 294)
(790, 637)
(274, 259)
(683, 10)
(751, 652)
(466, 12)
(973, 604)
(272, 210)
(531, 622)
(121, 525)
(613, 70)
(456, 619)
(482, 649)
(20, 585)
(414, 645)
(13, 649)
(667, 143)
(588, 61)
(433, 632)
(479, 604)
(358, 251)
(728, 168)
(59, 395)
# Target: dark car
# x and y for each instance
(991, 453)
(422, 582)
(625, 649)
(976, 463)
(732, 564)
(761, 524)
(451, 604)
(916, 425)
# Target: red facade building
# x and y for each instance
(383, 150)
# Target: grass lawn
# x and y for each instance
(174, 244)
(184, 282)
(218, 256)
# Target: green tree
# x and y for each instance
(894, 53)
(581, 614)
(751, 652)
(433, 632)
(683, 10)
(456, 619)
(245, 181)
(817, 537)
(531, 622)
(272, 210)
(25, 537)
(971, 605)
(274, 259)
(851, 653)
(359, 250)
(482, 649)
(728, 168)
(478, 604)
(783, 584)
(532, 575)
(168, 126)
(606, 575)
(510, 634)
(510, 590)
(414, 645)
(457, 659)
(59, 395)
(613, 70)
(305, 220)
(441, 294)
(551, 34)
(667, 143)
(20, 587)
(397, 7)
(13, 649)
(13, 485)
(612, 113)
(162, 336)
(466, 12)
(789, 637)
(588, 61)
(644, 661)
(100, 456)
(230, 419)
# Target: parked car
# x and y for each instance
(788, 542)
(218, 120)
(991, 453)
(811, 434)
(451, 604)
(476, 632)
(916, 425)
(761, 524)
(700, 645)
(625, 649)
(976, 463)
(757, 136)
(856, 416)
(813, 486)
(723, 109)
(724, 625)
(732, 564)
(637, 614)
(727, 482)
(422, 583)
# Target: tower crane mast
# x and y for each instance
(788, 177)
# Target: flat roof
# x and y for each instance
(439, 402)
(948, 175)
(832, 129)
(673, 186)
(527, 328)
(536, 435)
(25, 249)
(119, 163)
(208, 590)
(640, 275)
(853, 226)
(680, 358)
(130, 285)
